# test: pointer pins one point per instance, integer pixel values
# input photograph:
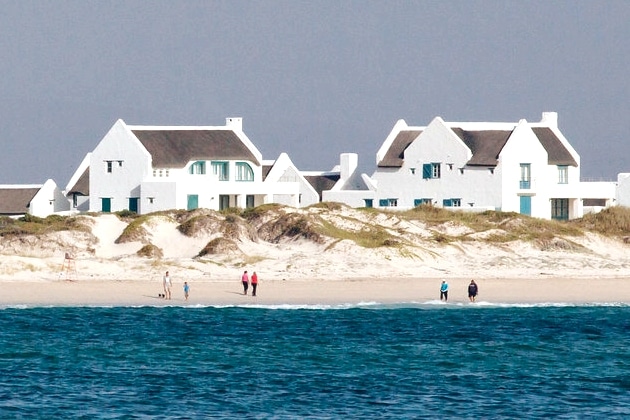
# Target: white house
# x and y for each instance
(522, 167)
(78, 188)
(39, 200)
(283, 170)
(151, 168)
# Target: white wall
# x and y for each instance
(48, 200)
(623, 189)
(118, 145)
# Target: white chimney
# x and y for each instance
(550, 118)
(234, 122)
(348, 163)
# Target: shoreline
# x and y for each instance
(492, 291)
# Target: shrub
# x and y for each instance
(150, 251)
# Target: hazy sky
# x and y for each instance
(310, 78)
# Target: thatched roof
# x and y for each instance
(82, 185)
(557, 153)
(396, 152)
(14, 201)
(265, 171)
(175, 148)
(322, 182)
(485, 145)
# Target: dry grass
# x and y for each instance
(613, 221)
(324, 223)
(150, 251)
(32, 225)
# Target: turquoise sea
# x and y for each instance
(365, 361)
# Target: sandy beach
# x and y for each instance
(301, 272)
(317, 292)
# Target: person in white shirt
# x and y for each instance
(167, 283)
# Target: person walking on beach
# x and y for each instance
(254, 283)
(444, 291)
(245, 281)
(472, 290)
(186, 290)
(167, 283)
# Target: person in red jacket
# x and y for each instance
(254, 283)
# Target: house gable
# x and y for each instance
(436, 143)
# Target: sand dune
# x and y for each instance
(295, 270)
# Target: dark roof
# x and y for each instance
(485, 145)
(396, 152)
(15, 201)
(175, 148)
(82, 186)
(265, 171)
(322, 182)
(556, 152)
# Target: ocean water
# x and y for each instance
(366, 361)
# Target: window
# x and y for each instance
(422, 201)
(560, 208)
(452, 202)
(369, 203)
(431, 171)
(412, 170)
(198, 168)
(436, 168)
(526, 174)
(563, 174)
(150, 199)
(244, 172)
(109, 166)
(221, 170)
(388, 202)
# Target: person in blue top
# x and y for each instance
(444, 291)
(186, 290)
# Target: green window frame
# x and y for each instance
(452, 202)
(221, 170)
(431, 170)
(244, 172)
(420, 201)
(388, 202)
(197, 168)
